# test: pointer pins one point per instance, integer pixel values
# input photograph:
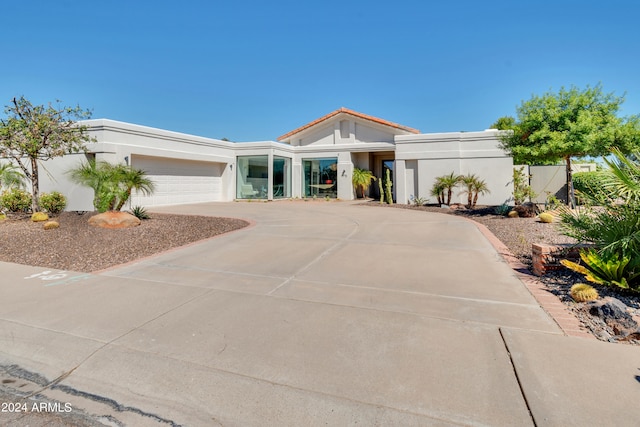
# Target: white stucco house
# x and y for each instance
(316, 159)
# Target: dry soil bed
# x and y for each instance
(77, 246)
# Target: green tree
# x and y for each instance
(112, 184)
(361, 180)
(32, 133)
(10, 176)
(570, 123)
(504, 123)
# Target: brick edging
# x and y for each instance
(551, 304)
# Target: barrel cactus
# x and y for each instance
(546, 217)
(39, 217)
(581, 292)
(50, 225)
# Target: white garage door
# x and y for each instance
(179, 181)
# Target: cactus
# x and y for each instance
(546, 217)
(381, 191)
(513, 214)
(387, 188)
(39, 217)
(581, 292)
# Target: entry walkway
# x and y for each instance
(320, 313)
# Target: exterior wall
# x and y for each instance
(551, 180)
(459, 152)
(209, 166)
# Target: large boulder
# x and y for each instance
(114, 219)
(614, 313)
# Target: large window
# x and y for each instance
(281, 177)
(252, 173)
(320, 177)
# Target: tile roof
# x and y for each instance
(352, 113)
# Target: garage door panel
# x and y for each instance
(179, 181)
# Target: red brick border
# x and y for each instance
(551, 304)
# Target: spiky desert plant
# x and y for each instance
(39, 217)
(387, 188)
(581, 292)
(546, 217)
(381, 191)
(50, 225)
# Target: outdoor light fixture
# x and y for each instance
(344, 172)
(126, 160)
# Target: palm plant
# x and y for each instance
(445, 185)
(614, 226)
(474, 186)
(112, 184)
(132, 179)
(361, 179)
(10, 176)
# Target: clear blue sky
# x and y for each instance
(254, 70)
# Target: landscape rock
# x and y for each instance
(615, 314)
(51, 225)
(114, 219)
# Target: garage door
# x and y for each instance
(179, 181)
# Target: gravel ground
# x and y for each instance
(77, 246)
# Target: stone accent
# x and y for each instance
(547, 258)
(114, 219)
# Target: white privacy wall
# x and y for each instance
(423, 157)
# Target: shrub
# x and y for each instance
(16, 200)
(502, 209)
(588, 185)
(53, 202)
(39, 217)
(140, 212)
(581, 292)
(521, 188)
(607, 269)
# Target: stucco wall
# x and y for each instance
(421, 158)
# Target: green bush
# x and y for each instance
(53, 202)
(588, 184)
(503, 209)
(15, 200)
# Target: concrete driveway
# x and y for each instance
(320, 313)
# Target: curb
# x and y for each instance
(556, 309)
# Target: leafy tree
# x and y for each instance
(10, 176)
(361, 179)
(31, 133)
(112, 184)
(504, 123)
(570, 123)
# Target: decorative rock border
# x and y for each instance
(547, 258)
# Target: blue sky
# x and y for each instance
(254, 70)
